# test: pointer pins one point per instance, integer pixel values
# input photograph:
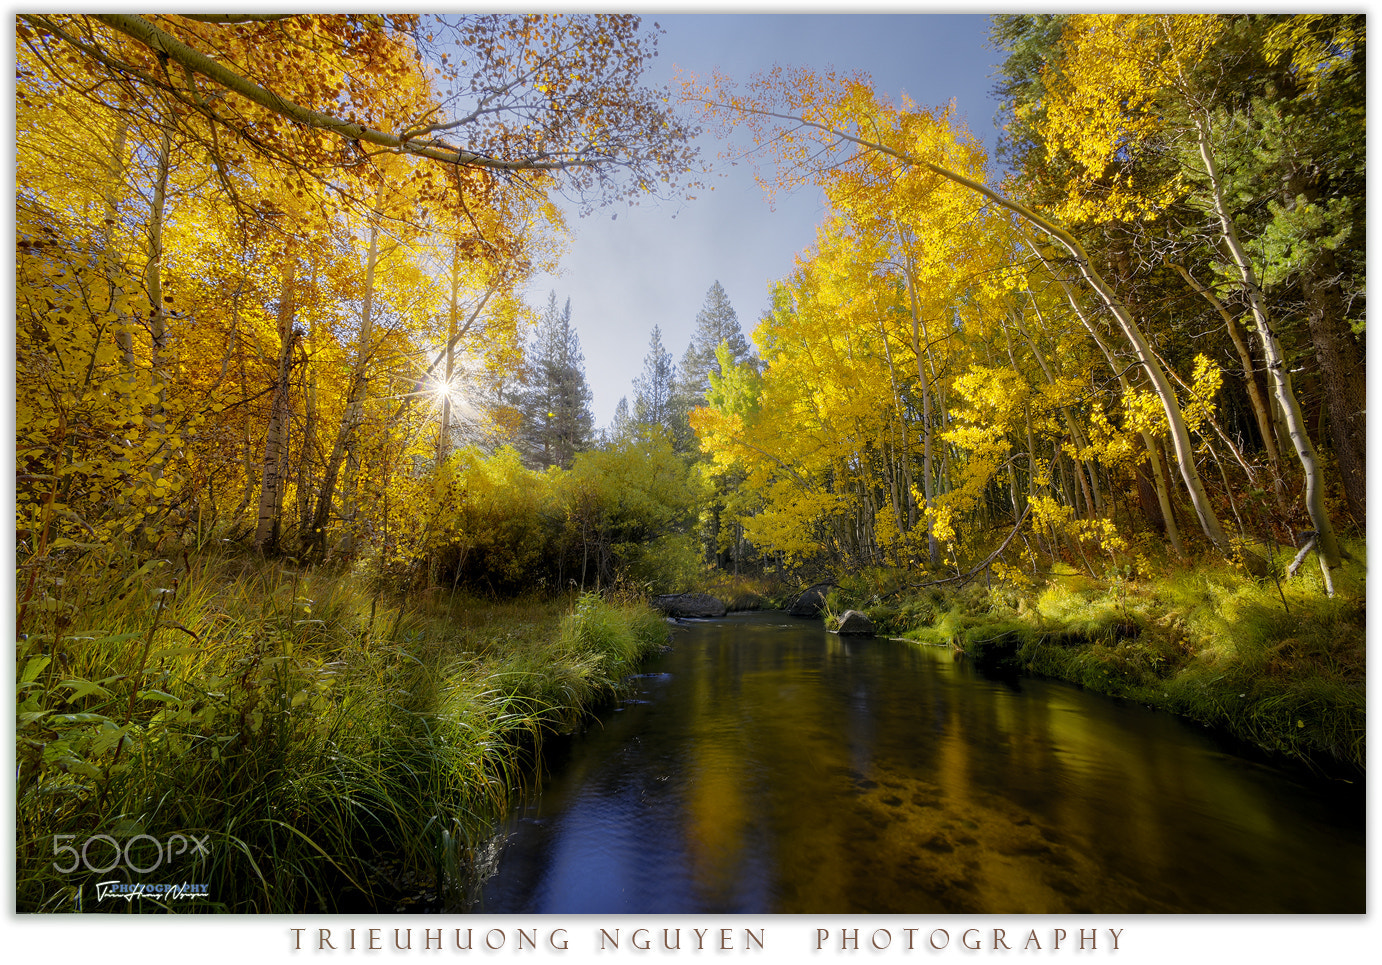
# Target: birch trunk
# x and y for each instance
(444, 432)
(1149, 443)
(1326, 542)
(270, 512)
(1260, 409)
(927, 478)
(354, 408)
(153, 284)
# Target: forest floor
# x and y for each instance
(1272, 662)
(331, 747)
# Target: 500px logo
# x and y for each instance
(176, 845)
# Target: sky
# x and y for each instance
(653, 264)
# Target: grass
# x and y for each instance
(334, 749)
(766, 591)
(1275, 663)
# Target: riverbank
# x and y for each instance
(326, 746)
(1276, 664)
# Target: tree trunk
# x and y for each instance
(110, 205)
(153, 284)
(1276, 366)
(1260, 409)
(444, 432)
(309, 427)
(1167, 513)
(1345, 380)
(268, 525)
(927, 478)
(1342, 367)
(354, 408)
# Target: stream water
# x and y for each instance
(763, 765)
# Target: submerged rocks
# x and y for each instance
(810, 603)
(689, 605)
(854, 623)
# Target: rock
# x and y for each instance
(810, 603)
(855, 623)
(689, 605)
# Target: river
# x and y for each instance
(763, 765)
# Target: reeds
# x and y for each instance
(331, 750)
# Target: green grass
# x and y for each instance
(336, 749)
(1275, 663)
(748, 591)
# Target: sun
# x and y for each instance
(445, 391)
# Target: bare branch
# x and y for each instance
(964, 578)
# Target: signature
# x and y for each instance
(139, 889)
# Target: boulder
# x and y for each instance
(855, 623)
(689, 605)
(810, 603)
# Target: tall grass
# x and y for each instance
(1280, 665)
(331, 749)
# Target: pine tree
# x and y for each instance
(715, 323)
(652, 405)
(623, 424)
(553, 399)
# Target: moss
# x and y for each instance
(1281, 666)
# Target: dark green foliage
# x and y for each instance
(554, 399)
(652, 404)
(716, 323)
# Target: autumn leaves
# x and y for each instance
(232, 231)
(248, 242)
(875, 422)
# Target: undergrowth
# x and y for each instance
(290, 739)
(1273, 662)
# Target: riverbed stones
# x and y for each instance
(700, 605)
(811, 602)
(854, 623)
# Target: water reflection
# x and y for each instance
(767, 766)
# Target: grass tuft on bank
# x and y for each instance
(1276, 663)
(334, 749)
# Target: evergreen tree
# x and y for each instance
(553, 400)
(652, 405)
(715, 323)
(623, 423)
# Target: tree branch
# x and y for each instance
(224, 18)
(964, 578)
(161, 42)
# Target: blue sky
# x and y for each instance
(653, 264)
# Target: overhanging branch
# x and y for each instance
(164, 43)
